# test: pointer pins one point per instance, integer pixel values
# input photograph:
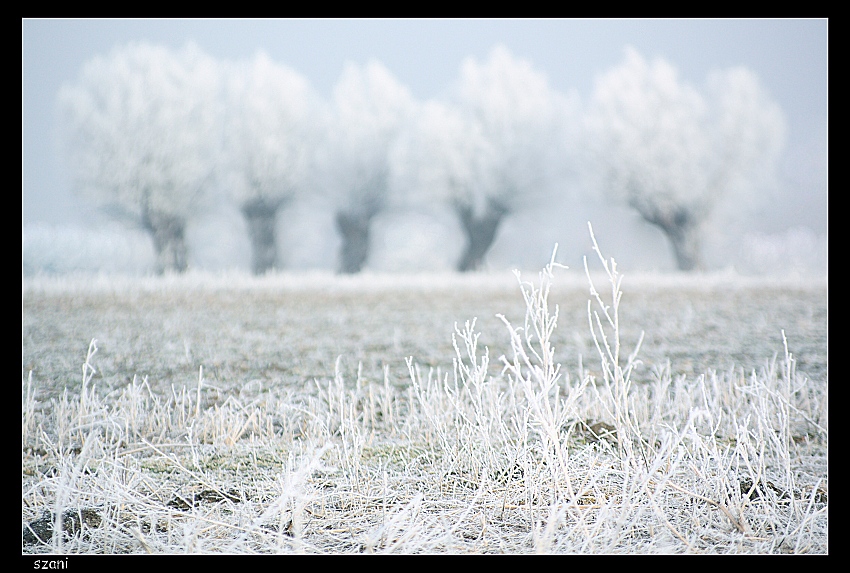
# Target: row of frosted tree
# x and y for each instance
(155, 135)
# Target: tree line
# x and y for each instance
(153, 135)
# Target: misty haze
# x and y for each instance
(424, 287)
(186, 161)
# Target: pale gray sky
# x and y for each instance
(789, 56)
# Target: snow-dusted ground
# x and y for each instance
(712, 320)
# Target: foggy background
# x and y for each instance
(783, 230)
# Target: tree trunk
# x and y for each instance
(683, 230)
(686, 247)
(261, 216)
(169, 240)
(480, 233)
(354, 229)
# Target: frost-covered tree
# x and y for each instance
(671, 152)
(368, 110)
(490, 149)
(139, 138)
(270, 128)
(443, 157)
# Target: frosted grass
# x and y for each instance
(502, 448)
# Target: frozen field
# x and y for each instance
(330, 446)
(290, 330)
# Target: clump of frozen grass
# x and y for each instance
(617, 377)
(536, 374)
(160, 474)
(671, 465)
